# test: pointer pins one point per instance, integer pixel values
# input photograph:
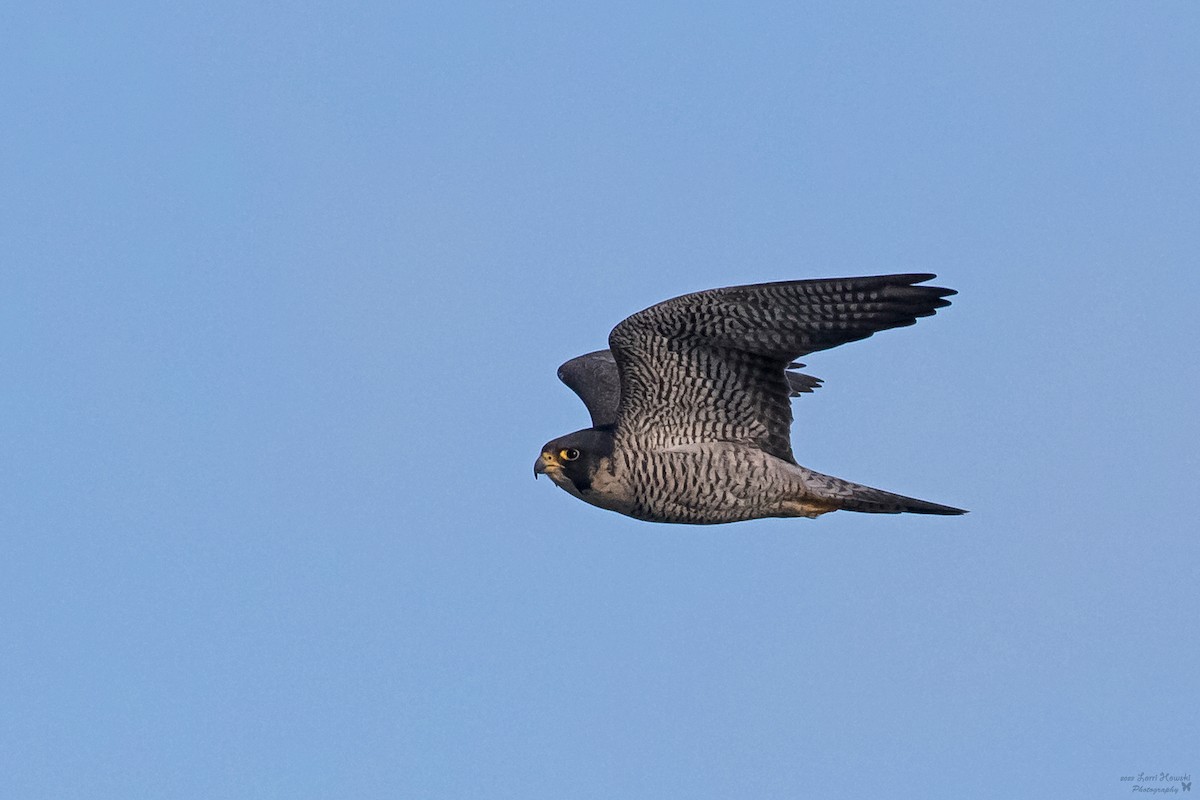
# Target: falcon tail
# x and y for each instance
(847, 496)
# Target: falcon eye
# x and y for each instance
(568, 454)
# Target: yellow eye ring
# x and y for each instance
(568, 454)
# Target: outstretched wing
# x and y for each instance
(594, 377)
(710, 366)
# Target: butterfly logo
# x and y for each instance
(1187, 787)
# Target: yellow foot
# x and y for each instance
(808, 508)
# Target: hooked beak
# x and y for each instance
(545, 463)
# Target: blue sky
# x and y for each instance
(285, 288)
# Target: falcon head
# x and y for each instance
(572, 461)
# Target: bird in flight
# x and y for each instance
(691, 404)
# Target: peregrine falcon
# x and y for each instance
(691, 404)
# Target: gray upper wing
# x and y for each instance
(710, 366)
(594, 377)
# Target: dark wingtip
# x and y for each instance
(912, 505)
(934, 508)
